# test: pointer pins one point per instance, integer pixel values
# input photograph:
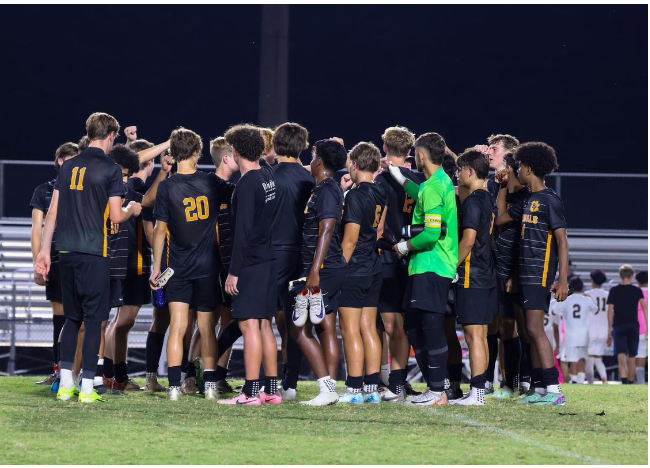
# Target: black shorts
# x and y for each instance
(391, 295)
(117, 293)
(258, 292)
(626, 339)
(427, 291)
(289, 267)
(53, 285)
(225, 297)
(331, 280)
(534, 297)
(506, 300)
(136, 290)
(200, 293)
(85, 286)
(358, 292)
(475, 306)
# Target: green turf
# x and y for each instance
(144, 429)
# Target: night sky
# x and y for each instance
(572, 76)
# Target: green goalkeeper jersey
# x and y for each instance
(436, 204)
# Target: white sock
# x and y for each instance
(600, 367)
(87, 386)
(589, 370)
(326, 384)
(100, 362)
(640, 375)
(525, 386)
(67, 381)
(581, 377)
(540, 390)
(573, 378)
(384, 373)
(98, 380)
(553, 389)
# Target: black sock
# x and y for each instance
(537, 378)
(120, 372)
(109, 371)
(68, 347)
(57, 321)
(155, 343)
(184, 363)
(624, 381)
(251, 387)
(209, 376)
(437, 351)
(354, 382)
(512, 357)
(371, 381)
(416, 340)
(294, 360)
(90, 349)
(220, 374)
(174, 376)
(228, 337)
(479, 380)
(100, 369)
(525, 367)
(271, 385)
(455, 372)
(191, 370)
(551, 376)
(397, 380)
(493, 348)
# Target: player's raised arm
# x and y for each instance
(165, 167)
(151, 153)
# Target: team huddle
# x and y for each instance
(400, 254)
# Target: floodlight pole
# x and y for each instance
(274, 65)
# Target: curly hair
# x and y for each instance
(434, 145)
(267, 134)
(184, 143)
(366, 155)
(290, 139)
(449, 166)
(398, 140)
(539, 156)
(332, 153)
(65, 151)
(508, 142)
(247, 140)
(126, 158)
(476, 160)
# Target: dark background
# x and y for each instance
(572, 76)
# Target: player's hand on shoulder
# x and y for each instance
(131, 133)
(231, 285)
(38, 279)
(134, 207)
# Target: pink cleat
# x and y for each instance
(242, 399)
(273, 399)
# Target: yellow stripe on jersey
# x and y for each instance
(467, 262)
(548, 256)
(168, 246)
(107, 213)
(140, 235)
(432, 221)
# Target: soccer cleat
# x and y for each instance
(381, 388)
(489, 388)
(93, 397)
(502, 394)
(430, 398)
(108, 383)
(55, 385)
(272, 399)
(188, 387)
(198, 365)
(373, 397)
(354, 398)
(49, 380)
(316, 308)
(300, 312)
(66, 394)
(242, 399)
(410, 390)
(551, 399)
(323, 399)
(132, 386)
(475, 397)
(211, 393)
(174, 393)
(391, 397)
(152, 385)
(531, 397)
(224, 387)
(453, 394)
(289, 394)
(101, 389)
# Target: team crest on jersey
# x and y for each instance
(534, 206)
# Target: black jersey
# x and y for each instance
(85, 184)
(625, 298)
(506, 246)
(364, 206)
(189, 204)
(400, 212)
(326, 202)
(234, 178)
(493, 186)
(139, 250)
(293, 186)
(224, 232)
(478, 212)
(41, 201)
(253, 203)
(540, 215)
(118, 238)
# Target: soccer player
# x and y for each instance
(270, 154)
(88, 190)
(186, 211)
(623, 322)
(365, 207)
(40, 203)
(597, 328)
(476, 294)
(576, 311)
(324, 269)
(398, 142)
(543, 244)
(252, 278)
(642, 353)
(293, 186)
(432, 266)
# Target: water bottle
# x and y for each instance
(159, 298)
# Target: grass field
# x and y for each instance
(145, 429)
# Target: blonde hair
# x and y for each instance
(218, 148)
(398, 140)
(267, 134)
(626, 271)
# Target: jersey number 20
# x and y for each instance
(74, 184)
(196, 208)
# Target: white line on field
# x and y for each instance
(516, 437)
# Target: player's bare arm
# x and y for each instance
(158, 245)
(153, 152)
(561, 288)
(465, 244)
(43, 261)
(165, 167)
(118, 214)
(350, 239)
(326, 227)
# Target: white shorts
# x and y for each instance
(597, 347)
(643, 347)
(573, 353)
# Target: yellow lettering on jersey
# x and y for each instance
(432, 221)
(74, 185)
(530, 219)
(408, 204)
(196, 208)
(534, 206)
